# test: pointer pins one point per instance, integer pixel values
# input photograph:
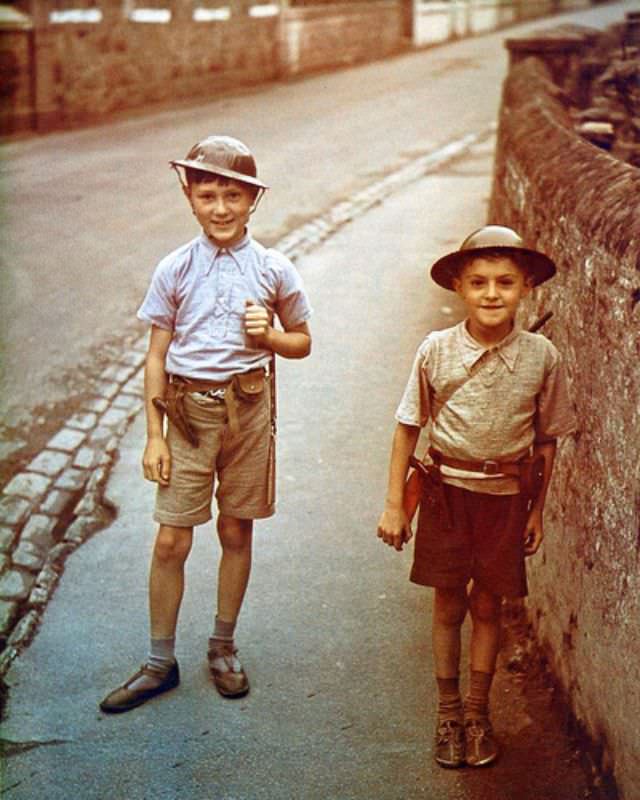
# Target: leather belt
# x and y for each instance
(488, 467)
(198, 385)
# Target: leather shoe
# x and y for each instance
(480, 743)
(227, 673)
(148, 681)
(449, 744)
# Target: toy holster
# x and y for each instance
(531, 476)
(172, 404)
(428, 488)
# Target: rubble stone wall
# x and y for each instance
(86, 71)
(320, 37)
(580, 204)
(16, 100)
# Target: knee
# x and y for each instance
(485, 607)
(450, 607)
(235, 534)
(172, 544)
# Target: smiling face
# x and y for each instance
(491, 289)
(222, 207)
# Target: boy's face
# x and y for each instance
(491, 290)
(222, 207)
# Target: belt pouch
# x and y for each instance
(249, 386)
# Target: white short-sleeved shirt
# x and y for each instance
(199, 292)
(501, 400)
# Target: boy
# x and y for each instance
(492, 394)
(209, 367)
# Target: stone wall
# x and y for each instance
(16, 86)
(322, 37)
(581, 205)
(87, 71)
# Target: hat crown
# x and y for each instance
(224, 152)
(501, 240)
(492, 236)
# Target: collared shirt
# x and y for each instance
(199, 292)
(487, 403)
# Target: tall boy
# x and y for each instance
(493, 395)
(211, 306)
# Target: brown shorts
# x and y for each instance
(481, 538)
(238, 462)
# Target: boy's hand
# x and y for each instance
(156, 461)
(394, 528)
(256, 321)
(533, 534)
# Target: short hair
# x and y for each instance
(193, 175)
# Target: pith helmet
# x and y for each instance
(498, 239)
(225, 156)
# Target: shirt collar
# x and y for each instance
(235, 251)
(473, 351)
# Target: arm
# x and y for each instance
(156, 461)
(534, 532)
(393, 527)
(294, 342)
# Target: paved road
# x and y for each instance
(92, 211)
(334, 637)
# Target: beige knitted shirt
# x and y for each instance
(487, 403)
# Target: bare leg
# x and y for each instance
(166, 579)
(480, 743)
(166, 586)
(449, 611)
(236, 538)
(485, 610)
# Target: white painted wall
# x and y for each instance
(439, 20)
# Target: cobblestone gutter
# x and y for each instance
(57, 502)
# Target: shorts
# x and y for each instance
(481, 539)
(238, 463)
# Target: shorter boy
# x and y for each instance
(496, 398)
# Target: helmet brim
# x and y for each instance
(216, 170)
(538, 266)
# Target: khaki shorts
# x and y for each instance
(237, 463)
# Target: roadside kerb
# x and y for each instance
(57, 502)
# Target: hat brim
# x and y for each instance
(539, 266)
(225, 173)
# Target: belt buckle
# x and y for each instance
(213, 394)
(490, 467)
